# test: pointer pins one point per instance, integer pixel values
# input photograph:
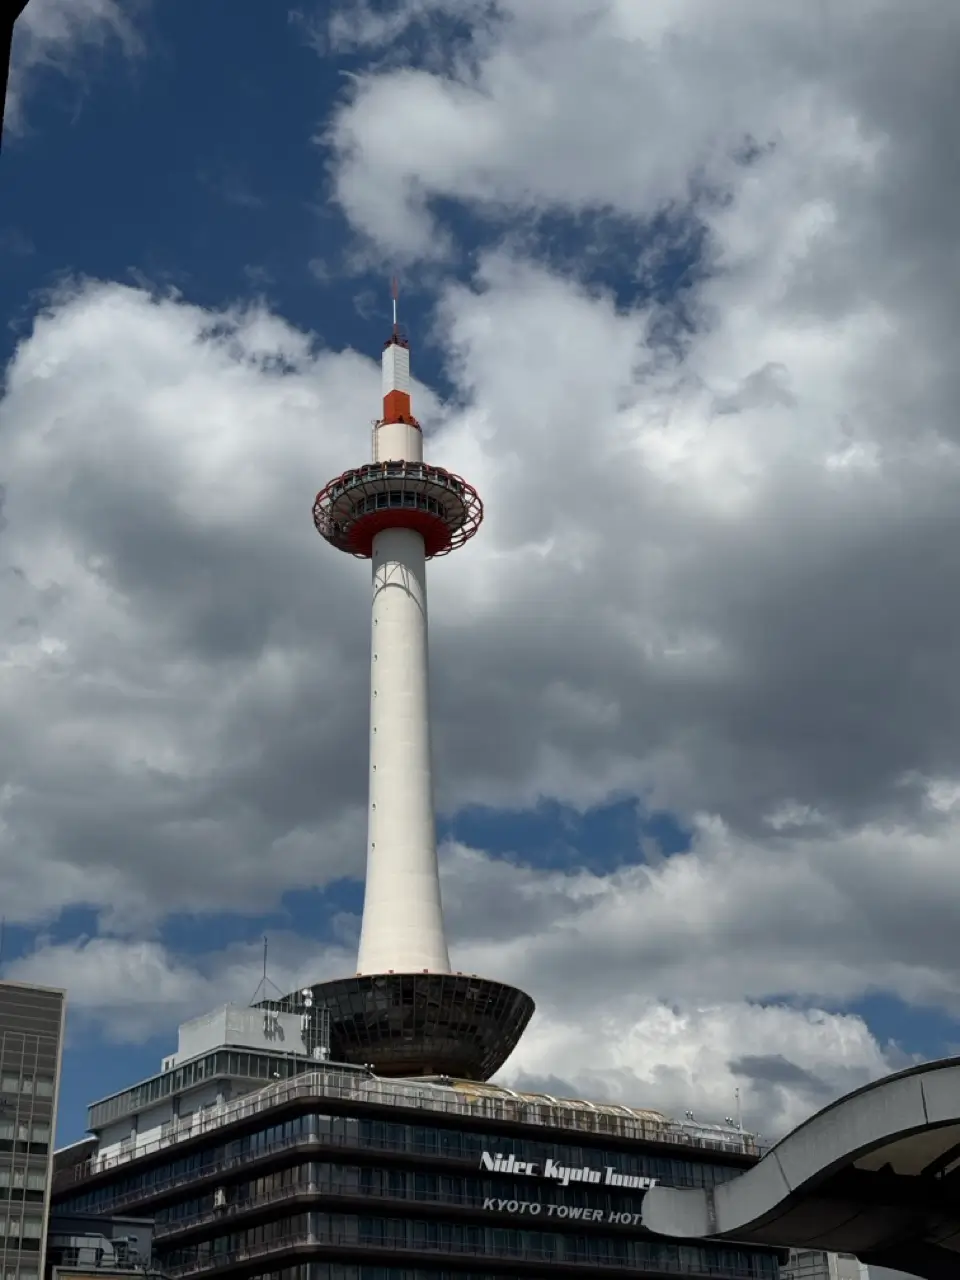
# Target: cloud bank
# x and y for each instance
(715, 573)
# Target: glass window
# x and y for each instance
(40, 1133)
(26, 1084)
(43, 1087)
(6, 1130)
(9, 1083)
(36, 1181)
(32, 1228)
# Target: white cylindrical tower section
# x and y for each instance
(402, 921)
(397, 442)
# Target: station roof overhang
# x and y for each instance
(876, 1174)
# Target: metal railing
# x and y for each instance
(89, 1258)
(220, 1213)
(405, 1249)
(335, 1087)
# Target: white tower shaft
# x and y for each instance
(402, 920)
(402, 926)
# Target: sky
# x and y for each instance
(681, 282)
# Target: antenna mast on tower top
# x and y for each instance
(395, 292)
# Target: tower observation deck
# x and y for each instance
(405, 1012)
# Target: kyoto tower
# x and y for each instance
(405, 1012)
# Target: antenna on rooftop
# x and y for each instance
(262, 994)
(743, 1140)
(395, 293)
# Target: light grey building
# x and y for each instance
(812, 1264)
(31, 1040)
(96, 1247)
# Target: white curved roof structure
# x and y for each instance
(876, 1174)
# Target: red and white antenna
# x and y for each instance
(395, 365)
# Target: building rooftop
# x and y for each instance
(463, 1099)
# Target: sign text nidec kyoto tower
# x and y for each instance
(405, 1012)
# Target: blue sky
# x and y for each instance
(694, 746)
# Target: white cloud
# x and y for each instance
(184, 674)
(589, 105)
(52, 33)
(812, 915)
(677, 1057)
(134, 989)
(139, 671)
(715, 572)
(629, 1048)
(729, 563)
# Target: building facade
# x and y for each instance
(811, 1264)
(258, 1161)
(31, 1038)
(89, 1246)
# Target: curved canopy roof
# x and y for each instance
(876, 1174)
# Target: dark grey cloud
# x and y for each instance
(776, 1070)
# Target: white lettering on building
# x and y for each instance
(564, 1174)
(571, 1212)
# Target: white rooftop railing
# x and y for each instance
(497, 1107)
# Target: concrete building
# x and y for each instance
(85, 1246)
(256, 1160)
(816, 1265)
(31, 1039)
(812, 1264)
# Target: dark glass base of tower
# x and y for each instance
(424, 1024)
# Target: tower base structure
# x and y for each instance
(422, 1024)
